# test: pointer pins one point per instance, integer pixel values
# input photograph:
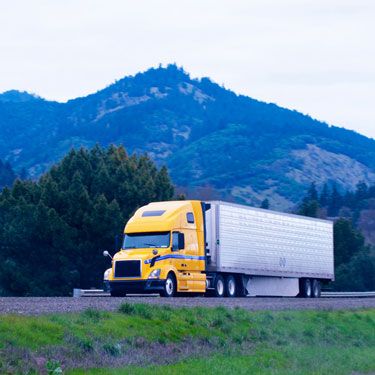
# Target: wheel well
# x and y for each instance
(174, 276)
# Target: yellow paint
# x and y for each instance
(189, 272)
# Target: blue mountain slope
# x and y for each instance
(209, 137)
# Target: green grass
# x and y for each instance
(238, 341)
(291, 361)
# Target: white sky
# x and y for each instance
(315, 56)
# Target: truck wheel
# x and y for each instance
(306, 288)
(219, 287)
(316, 288)
(230, 286)
(170, 286)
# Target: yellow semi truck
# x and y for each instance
(222, 249)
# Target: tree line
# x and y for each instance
(354, 258)
(53, 231)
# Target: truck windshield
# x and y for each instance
(142, 240)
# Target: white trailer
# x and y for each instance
(267, 253)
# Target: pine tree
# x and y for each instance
(324, 196)
(348, 241)
(312, 194)
(335, 201)
(362, 191)
(265, 204)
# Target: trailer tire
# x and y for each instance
(230, 286)
(170, 286)
(316, 288)
(219, 286)
(305, 288)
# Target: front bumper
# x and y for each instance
(134, 286)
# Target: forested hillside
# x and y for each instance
(213, 141)
(53, 231)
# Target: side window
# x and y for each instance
(174, 241)
(190, 218)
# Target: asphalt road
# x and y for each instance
(42, 305)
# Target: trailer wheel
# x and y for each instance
(219, 287)
(230, 286)
(170, 286)
(306, 288)
(316, 288)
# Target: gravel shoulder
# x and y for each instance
(45, 305)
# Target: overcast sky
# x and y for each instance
(317, 56)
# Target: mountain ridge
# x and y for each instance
(209, 137)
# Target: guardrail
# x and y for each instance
(348, 294)
(77, 293)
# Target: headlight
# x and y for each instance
(154, 274)
(106, 274)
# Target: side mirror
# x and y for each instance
(106, 254)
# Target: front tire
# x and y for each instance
(170, 286)
(230, 286)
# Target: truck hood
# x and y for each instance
(142, 254)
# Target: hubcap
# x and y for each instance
(231, 287)
(220, 287)
(169, 286)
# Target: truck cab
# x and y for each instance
(163, 251)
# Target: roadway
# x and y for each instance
(42, 305)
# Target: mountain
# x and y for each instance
(216, 144)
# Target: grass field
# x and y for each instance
(146, 339)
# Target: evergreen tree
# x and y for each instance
(310, 204)
(324, 196)
(312, 194)
(335, 201)
(52, 231)
(265, 204)
(347, 241)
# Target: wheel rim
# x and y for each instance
(308, 288)
(316, 289)
(169, 286)
(231, 287)
(220, 287)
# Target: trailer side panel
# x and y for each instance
(262, 242)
